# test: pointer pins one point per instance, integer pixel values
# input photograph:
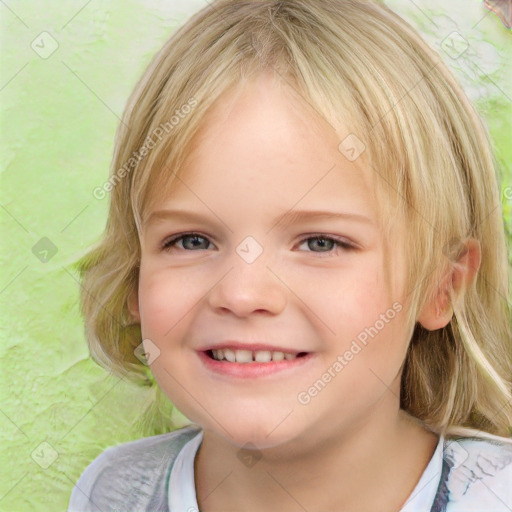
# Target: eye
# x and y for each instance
(196, 241)
(190, 242)
(326, 244)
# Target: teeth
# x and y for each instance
(229, 355)
(263, 356)
(248, 356)
(243, 356)
(278, 356)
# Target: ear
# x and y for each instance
(438, 311)
(133, 305)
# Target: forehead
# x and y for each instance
(262, 140)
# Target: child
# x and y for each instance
(337, 331)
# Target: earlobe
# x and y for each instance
(438, 311)
(133, 305)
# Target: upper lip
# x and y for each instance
(254, 347)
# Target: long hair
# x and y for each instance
(368, 74)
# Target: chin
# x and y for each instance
(254, 433)
(258, 422)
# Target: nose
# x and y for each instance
(248, 287)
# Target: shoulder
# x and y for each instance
(130, 476)
(480, 474)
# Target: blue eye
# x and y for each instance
(193, 241)
(326, 244)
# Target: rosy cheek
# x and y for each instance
(164, 300)
(153, 299)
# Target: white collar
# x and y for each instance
(422, 497)
(182, 491)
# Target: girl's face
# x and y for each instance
(313, 283)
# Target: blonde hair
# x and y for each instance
(368, 73)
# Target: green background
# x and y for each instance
(58, 115)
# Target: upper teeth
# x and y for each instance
(250, 356)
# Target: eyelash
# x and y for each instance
(170, 243)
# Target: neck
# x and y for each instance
(374, 466)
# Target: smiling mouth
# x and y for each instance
(251, 356)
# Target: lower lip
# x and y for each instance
(253, 370)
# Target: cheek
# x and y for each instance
(165, 297)
(362, 321)
(350, 299)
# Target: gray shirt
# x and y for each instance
(157, 474)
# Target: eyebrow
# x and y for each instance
(292, 216)
(285, 219)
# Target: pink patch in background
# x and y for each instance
(502, 8)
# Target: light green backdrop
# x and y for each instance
(66, 71)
